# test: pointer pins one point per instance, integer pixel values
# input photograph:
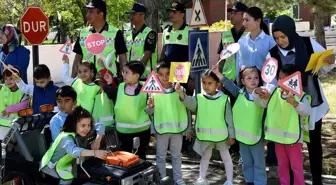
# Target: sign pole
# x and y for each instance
(35, 56)
(198, 75)
(226, 12)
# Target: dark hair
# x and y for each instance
(289, 69)
(104, 12)
(74, 117)
(162, 64)
(136, 67)
(7, 73)
(250, 69)
(91, 66)
(67, 91)
(41, 71)
(209, 73)
(256, 13)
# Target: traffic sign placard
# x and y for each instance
(269, 70)
(66, 48)
(34, 25)
(152, 84)
(179, 72)
(198, 17)
(199, 50)
(292, 83)
(95, 43)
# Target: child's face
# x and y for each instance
(85, 73)
(65, 104)
(10, 82)
(43, 82)
(282, 76)
(210, 85)
(83, 126)
(163, 74)
(250, 79)
(129, 77)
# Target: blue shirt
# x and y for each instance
(57, 122)
(254, 52)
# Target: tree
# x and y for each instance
(152, 16)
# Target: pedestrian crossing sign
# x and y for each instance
(199, 50)
(152, 84)
(66, 48)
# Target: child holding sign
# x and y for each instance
(214, 127)
(171, 119)
(286, 120)
(248, 128)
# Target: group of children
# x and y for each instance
(83, 104)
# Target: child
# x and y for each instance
(248, 128)
(66, 98)
(44, 90)
(213, 125)
(57, 162)
(11, 98)
(285, 122)
(130, 105)
(171, 119)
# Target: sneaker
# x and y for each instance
(272, 172)
(180, 182)
(201, 181)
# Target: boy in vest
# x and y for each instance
(171, 119)
(130, 106)
(44, 90)
(66, 97)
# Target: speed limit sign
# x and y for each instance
(269, 70)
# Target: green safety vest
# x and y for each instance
(170, 114)
(229, 68)
(178, 37)
(110, 36)
(282, 123)
(86, 94)
(64, 165)
(7, 98)
(136, 49)
(210, 122)
(248, 128)
(103, 109)
(130, 112)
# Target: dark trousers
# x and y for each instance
(271, 159)
(127, 142)
(315, 153)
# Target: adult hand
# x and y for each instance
(330, 59)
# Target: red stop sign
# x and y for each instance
(95, 43)
(34, 25)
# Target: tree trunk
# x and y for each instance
(152, 16)
(319, 27)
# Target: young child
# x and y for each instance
(130, 106)
(248, 128)
(57, 162)
(66, 97)
(44, 90)
(11, 98)
(214, 127)
(285, 122)
(171, 119)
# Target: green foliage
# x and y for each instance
(218, 26)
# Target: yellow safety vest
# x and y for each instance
(86, 94)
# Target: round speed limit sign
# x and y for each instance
(269, 70)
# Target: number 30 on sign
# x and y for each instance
(269, 70)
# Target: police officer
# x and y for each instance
(141, 41)
(175, 40)
(232, 36)
(115, 43)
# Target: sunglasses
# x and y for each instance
(46, 108)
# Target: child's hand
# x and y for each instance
(65, 59)
(189, 136)
(215, 69)
(231, 141)
(263, 93)
(4, 113)
(108, 78)
(101, 62)
(150, 102)
(290, 99)
(96, 144)
(178, 88)
(101, 154)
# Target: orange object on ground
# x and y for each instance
(121, 158)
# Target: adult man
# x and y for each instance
(175, 40)
(115, 44)
(228, 66)
(141, 41)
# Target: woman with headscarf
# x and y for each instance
(294, 49)
(12, 52)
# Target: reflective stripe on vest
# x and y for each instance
(129, 111)
(170, 114)
(109, 50)
(103, 109)
(178, 37)
(86, 94)
(250, 133)
(136, 49)
(282, 123)
(7, 98)
(210, 119)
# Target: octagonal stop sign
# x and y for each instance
(34, 25)
(95, 43)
